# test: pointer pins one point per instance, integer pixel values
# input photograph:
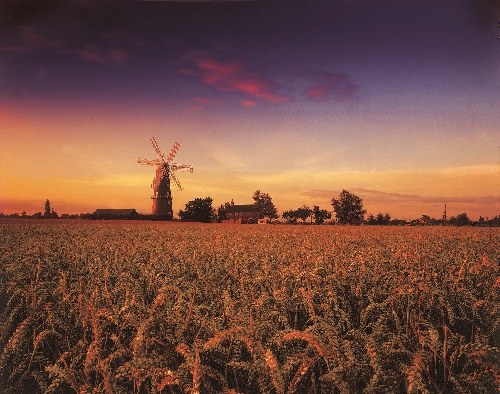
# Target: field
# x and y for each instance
(137, 307)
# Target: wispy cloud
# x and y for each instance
(31, 39)
(249, 103)
(329, 85)
(413, 205)
(231, 77)
(98, 48)
(377, 196)
(102, 55)
(202, 102)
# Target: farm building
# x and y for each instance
(240, 213)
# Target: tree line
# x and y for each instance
(347, 207)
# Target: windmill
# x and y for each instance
(165, 168)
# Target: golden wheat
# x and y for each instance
(169, 308)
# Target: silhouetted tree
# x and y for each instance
(380, 220)
(426, 219)
(47, 209)
(264, 205)
(290, 216)
(222, 211)
(304, 212)
(348, 208)
(495, 222)
(320, 215)
(461, 220)
(371, 220)
(398, 222)
(49, 212)
(198, 210)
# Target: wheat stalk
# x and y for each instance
(273, 366)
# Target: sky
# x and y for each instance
(397, 102)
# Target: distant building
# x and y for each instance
(240, 213)
(115, 214)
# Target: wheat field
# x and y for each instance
(141, 307)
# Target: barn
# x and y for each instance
(240, 213)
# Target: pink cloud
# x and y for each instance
(248, 103)
(217, 73)
(93, 53)
(318, 93)
(230, 76)
(331, 85)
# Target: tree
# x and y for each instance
(264, 205)
(47, 209)
(348, 208)
(222, 210)
(461, 220)
(290, 216)
(387, 219)
(49, 213)
(320, 215)
(428, 220)
(304, 212)
(371, 220)
(380, 220)
(198, 210)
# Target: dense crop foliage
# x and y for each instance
(172, 308)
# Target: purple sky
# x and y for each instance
(297, 98)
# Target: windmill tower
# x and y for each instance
(165, 168)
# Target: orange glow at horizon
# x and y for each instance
(395, 193)
(96, 168)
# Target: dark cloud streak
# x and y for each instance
(377, 196)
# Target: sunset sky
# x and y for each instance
(395, 101)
